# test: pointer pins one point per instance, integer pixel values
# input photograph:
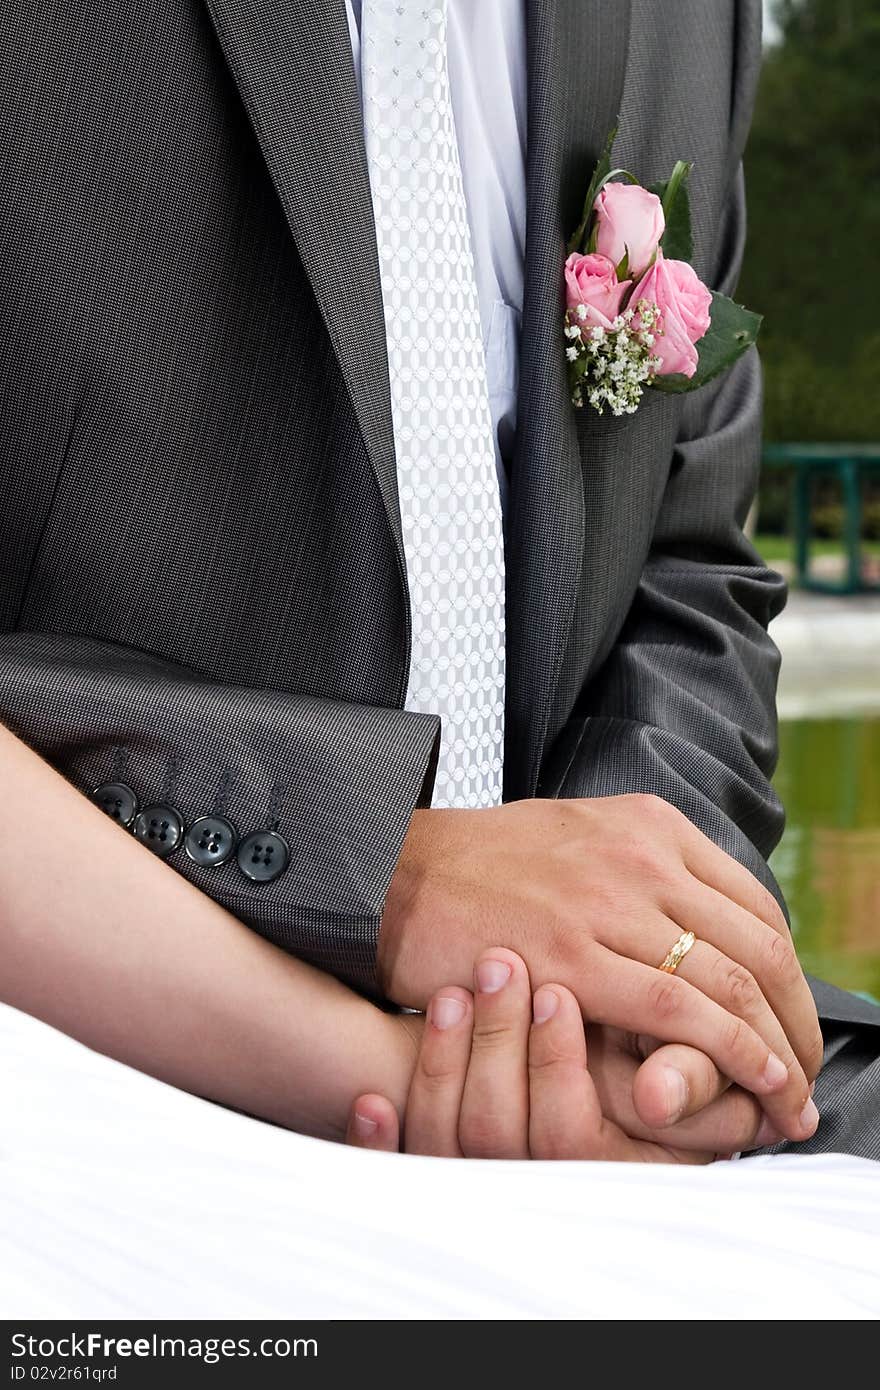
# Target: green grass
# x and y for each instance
(776, 548)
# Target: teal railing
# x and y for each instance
(850, 465)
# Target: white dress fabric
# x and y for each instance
(447, 482)
(121, 1197)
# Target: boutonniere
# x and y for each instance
(637, 313)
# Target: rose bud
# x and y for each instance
(629, 220)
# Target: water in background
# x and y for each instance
(828, 863)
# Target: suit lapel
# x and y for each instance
(577, 52)
(292, 64)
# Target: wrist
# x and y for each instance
(403, 892)
(383, 1051)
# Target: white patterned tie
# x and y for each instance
(449, 498)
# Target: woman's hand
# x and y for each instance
(501, 1074)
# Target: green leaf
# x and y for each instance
(601, 171)
(621, 270)
(674, 183)
(677, 240)
(732, 332)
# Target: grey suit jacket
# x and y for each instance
(202, 582)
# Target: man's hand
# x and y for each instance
(503, 1075)
(592, 894)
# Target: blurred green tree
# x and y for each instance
(813, 253)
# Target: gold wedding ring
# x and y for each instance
(678, 952)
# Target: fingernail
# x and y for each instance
(775, 1072)
(676, 1089)
(446, 1011)
(809, 1118)
(812, 1088)
(767, 1134)
(364, 1126)
(492, 975)
(544, 1005)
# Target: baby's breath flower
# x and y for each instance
(611, 366)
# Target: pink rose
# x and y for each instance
(591, 282)
(629, 219)
(684, 304)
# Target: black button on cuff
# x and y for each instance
(117, 801)
(210, 840)
(262, 856)
(160, 828)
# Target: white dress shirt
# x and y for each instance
(487, 77)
